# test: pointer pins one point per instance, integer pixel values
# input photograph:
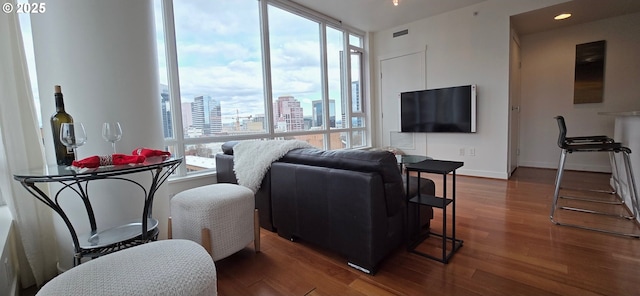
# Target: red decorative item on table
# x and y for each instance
(119, 159)
(115, 159)
(150, 152)
(138, 156)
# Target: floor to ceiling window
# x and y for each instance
(222, 78)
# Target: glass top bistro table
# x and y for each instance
(100, 242)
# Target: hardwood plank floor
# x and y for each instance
(510, 248)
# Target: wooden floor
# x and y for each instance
(510, 248)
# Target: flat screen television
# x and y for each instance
(442, 110)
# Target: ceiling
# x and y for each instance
(377, 15)
(583, 11)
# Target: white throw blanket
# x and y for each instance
(252, 159)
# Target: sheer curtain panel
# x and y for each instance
(21, 149)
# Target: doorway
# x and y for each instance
(514, 102)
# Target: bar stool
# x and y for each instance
(601, 139)
(594, 144)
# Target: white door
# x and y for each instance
(400, 74)
(514, 103)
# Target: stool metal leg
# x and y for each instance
(633, 193)
(589, 211)
(256, 231)
(631, 181)
(556, 193)
(613, 191)
(615, 174)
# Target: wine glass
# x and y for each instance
(73, 136)
(112, 132)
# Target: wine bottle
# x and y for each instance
(64, 155)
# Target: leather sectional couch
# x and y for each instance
(352, 202)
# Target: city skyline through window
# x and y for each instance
(221, 61)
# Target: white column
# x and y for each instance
(627, 125)
(626, 131)
(103, 54)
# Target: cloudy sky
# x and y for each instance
(219, 55)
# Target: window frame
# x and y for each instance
(179, 141)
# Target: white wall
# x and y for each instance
(465, 46)
(547, 89)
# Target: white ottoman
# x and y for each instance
(167, 267)
(222, 217)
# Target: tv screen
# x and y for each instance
(442, 110)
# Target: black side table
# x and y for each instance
(406, 159)
(442, 167)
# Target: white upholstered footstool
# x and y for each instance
(167, 267)
(222, 217)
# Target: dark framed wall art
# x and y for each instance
(588, 86)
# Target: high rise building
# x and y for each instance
(167, 123)
(207, 115)
(356, 104)
(258, 123)
(318, 116)
(187, 118)
(316, 113)
(287, 114)
(355, 97)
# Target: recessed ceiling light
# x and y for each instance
(562, 16)
(395, 2)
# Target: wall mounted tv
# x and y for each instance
(442, 110)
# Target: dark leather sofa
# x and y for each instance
(352, 202)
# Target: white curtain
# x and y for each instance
(21, 149)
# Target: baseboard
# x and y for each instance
(483, 174)
(568, 166)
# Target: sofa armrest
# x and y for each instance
(224, 169)
(226, 174)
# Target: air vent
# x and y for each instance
(400, 33)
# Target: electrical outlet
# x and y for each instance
(472, 151)
(462, 151)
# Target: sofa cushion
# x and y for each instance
(225, 174)
(381, 162)
(341, 210)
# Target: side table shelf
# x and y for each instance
(441, 202)
(115, 238)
